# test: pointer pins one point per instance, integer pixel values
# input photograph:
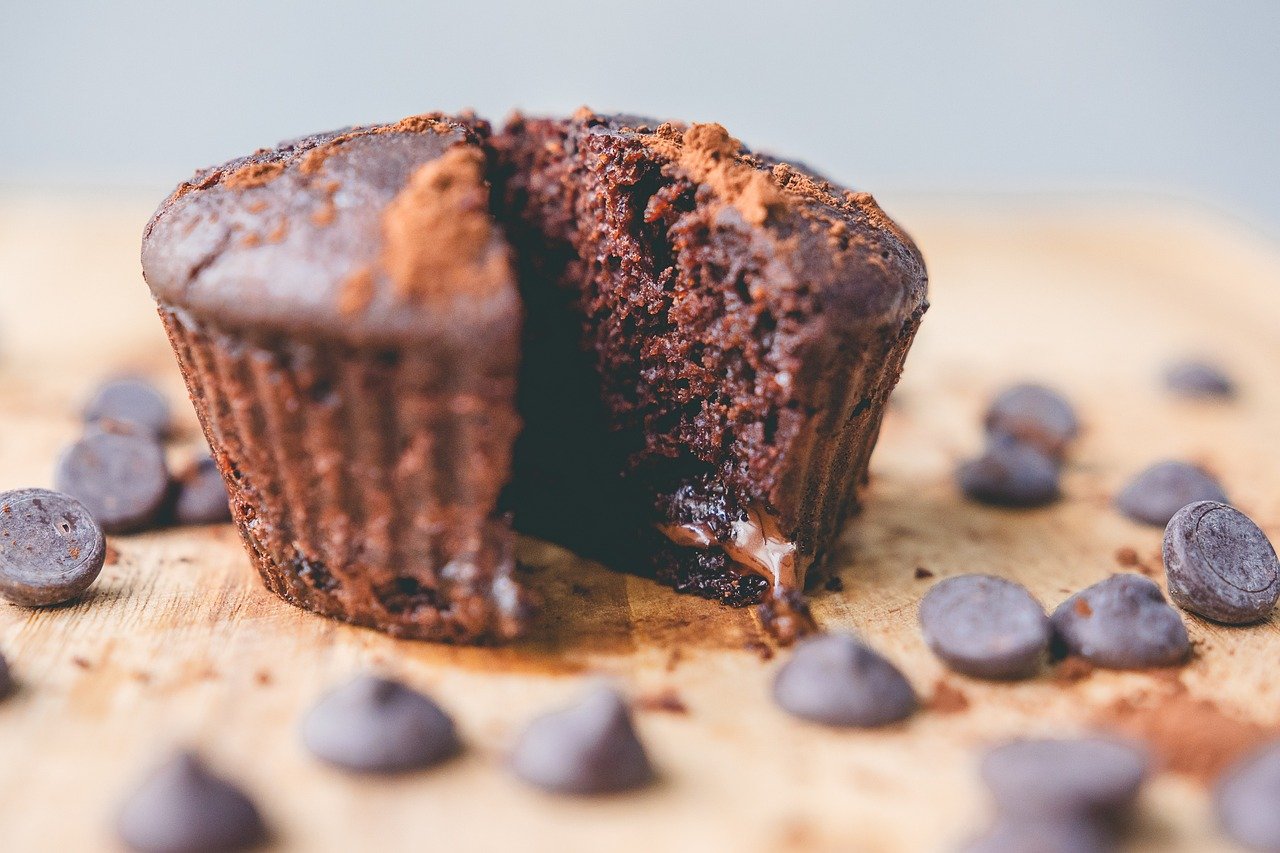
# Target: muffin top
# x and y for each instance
(372, 234)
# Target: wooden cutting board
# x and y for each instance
(178, 644)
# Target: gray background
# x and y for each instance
(1176, 98)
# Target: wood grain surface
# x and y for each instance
(178, 643)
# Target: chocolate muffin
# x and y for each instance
(711, 337)
(699, 340)
(345, 312)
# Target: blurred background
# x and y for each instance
(1160, 97)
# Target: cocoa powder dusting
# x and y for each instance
(710, 156)
(325, 214)
(437, 232)
(1188, 734)
(253, 175)
(356, 292)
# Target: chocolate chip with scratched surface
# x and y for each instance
(591, 747)
(201, 495)
(1010, 474)
(51, 549)
(1245, 799)
(1199, 379)
(1122, 622)
(1220, 565)
(120, 477)
(130, 400)
(985, 626)
(1034, 415)
(1156, 493)
(376, 725)
(1093, 778)
(183, 807)
(837, 680)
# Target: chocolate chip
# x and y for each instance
(201, 495)
(51, 549)
(1044, 836)
(376, 725)
(1122, 622)
(1079, 779)
(120, 477)
(836, 680)
(590, 747)
(1154, 495)
(1010, 474)
(985, 626)
(183, 806)
(1034, 415)
(1198, 379)
(1220, 565)
(130, 400)
(1245, 799)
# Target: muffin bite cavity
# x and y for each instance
(723, 328)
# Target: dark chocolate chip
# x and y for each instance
(1220, 565)
(1122, 622)
(1090, 778)
(130, 400)
(201, 495)
(1245, 799)
(183, 807)
(51, 548)
(590, 747)
(1011, 474)
(1044, 836)
(120, 477)
(1154, 495)
(836, 680)
(1034, 415)
(1199, 379)
(376, 725)
(985, 626)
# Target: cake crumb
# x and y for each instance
(947, 698)
(667, 701)
(922, 573)
(1072, 669)
(82, 663)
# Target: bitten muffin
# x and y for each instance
(700, 342)
(712, 336)
(345, 312)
